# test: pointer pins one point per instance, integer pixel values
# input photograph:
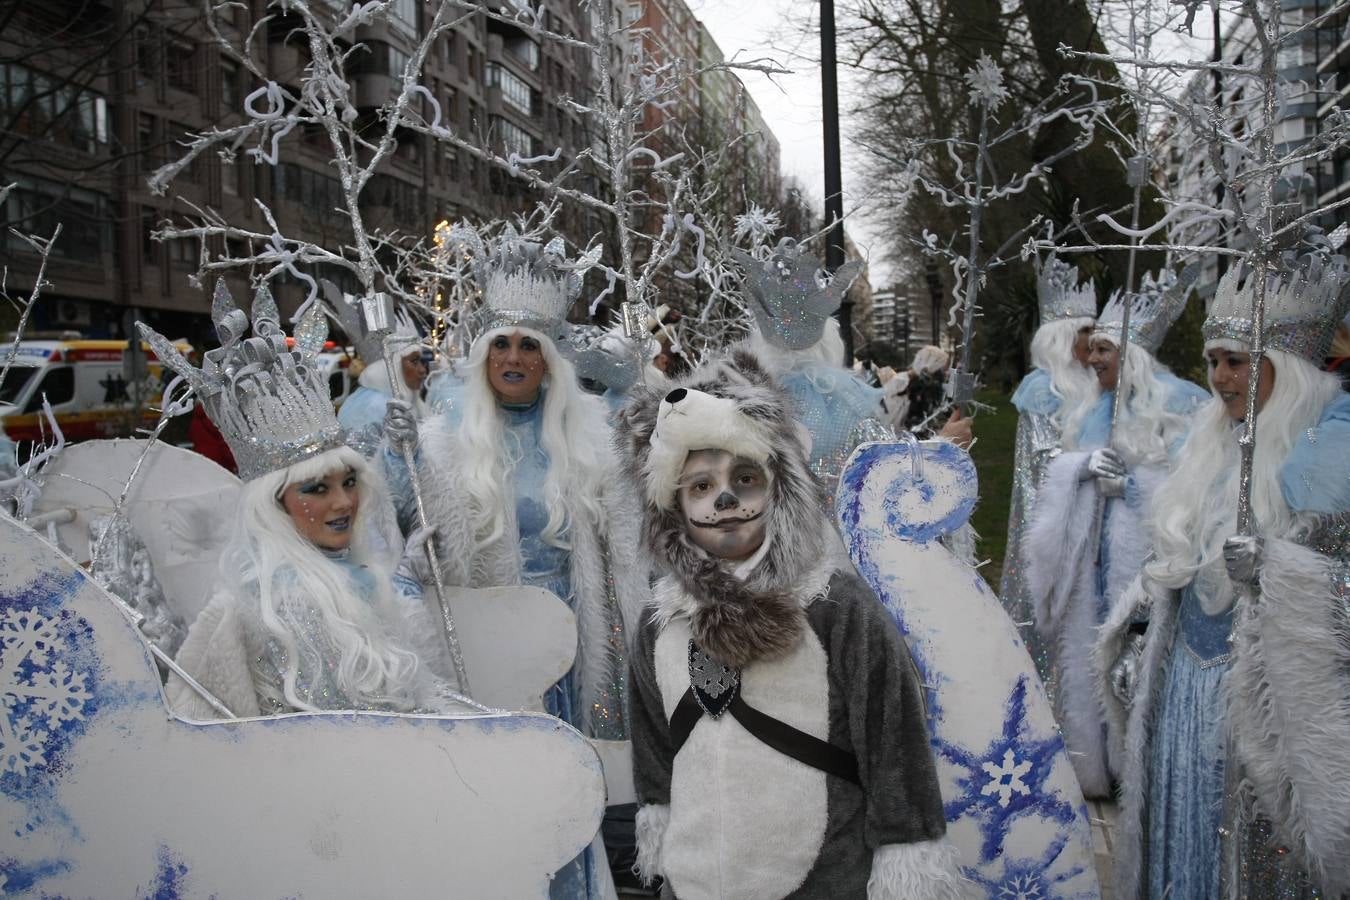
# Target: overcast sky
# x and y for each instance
(751, 29)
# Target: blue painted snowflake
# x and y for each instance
(1006, 781)
(1029, 879)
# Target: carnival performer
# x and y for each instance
(1089, 526)
(362, 413)
(1233, 703)
(309, 614)
(779, 740)
(1059, 385)
(925, 387)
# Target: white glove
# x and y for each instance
(400, 426)
(415, 564)
(1243, 556)
(1105, 463)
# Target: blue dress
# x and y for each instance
(1185, 754)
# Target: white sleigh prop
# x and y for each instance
(1013, 805)
(104, 794)
(176, 513)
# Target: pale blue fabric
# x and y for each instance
(364, 407)
(1183, 398)
(1185, 801)
(830, 402)
(1314, 477)
(1034, 396)
(445, 394)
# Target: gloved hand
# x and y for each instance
(1124, 673)
(1104, 463)
(414, 564)
(1243, 556)
(400, 426)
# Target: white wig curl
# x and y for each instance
(577, 461)
(1196, 508)
(1071, 382)
(292, 579)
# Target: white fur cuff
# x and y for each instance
(927, 870)
(651, 823)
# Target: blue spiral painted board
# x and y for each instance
(1013, 806)
(105, 794)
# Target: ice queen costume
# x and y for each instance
(1071, 580)
(1047, 397)
(797, 338)
(526, 494)
(779, 742)
(293, 626)
(1239, 720)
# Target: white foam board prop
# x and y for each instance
(104, 794)
(175, 507)
(517, 642)
(1012, 802)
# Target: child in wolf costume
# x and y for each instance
(779, 740)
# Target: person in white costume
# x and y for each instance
(309, 614)
(1230, 710)
(1088, 534)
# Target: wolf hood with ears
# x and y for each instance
(731, 405)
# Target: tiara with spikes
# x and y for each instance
(269, 401)
(1061, 295)
(790, 296)
(1153, 308)
(1304, 304)
(524, 283)
(370, 347)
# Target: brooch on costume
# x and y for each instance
(714, 684)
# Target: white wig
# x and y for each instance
(822, 363)
(1196, 509)
(929, 360)
(1071, 382)
(1145, 429)
(576, 453)
(294, 583)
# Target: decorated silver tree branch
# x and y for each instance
(977, 184)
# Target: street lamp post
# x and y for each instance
(834, 188)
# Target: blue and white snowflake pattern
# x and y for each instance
(44, 695)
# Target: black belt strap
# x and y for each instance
(803, 747)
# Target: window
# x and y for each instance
(229, 87)
(180, 65)
(37, 205)
(16, 379)
(147, 57)
(149, 246)
(57, 384)
(405, 13)
(515, 90)
(379, 59)
(402, 199)
(231, 177)
(182, 251)
(525, 50)
(45, 107)
(514, 138)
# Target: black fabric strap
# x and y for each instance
(803, 747)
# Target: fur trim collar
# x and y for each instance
(761, 616)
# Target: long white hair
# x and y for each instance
(1071, 382)
(1145, 429)
(267, 557)
(1195, 510)
(577, 451)
(822, 363)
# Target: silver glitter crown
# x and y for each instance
(369, 346)
(1061, 295)
(524, 283)
(790, 294)
(1153, 308)
(1304, 303)
(269, 401)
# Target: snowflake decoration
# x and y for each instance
(38, 689)
(986, 83)
(1045, 877)
(1005, 779)
(757, 225)
(1021, 887)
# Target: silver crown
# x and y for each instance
(790, 294)
(524, 283)
(369, 346)
(1061, 295)
(1153, 308)
(269, 401)
(1304, 303)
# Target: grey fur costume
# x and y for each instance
(726, 815)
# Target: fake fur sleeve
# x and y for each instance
(927, 870)
(887, 722)
(1289, 706)
(653, 753)
(1057, 539)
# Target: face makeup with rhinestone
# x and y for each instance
(323, 509)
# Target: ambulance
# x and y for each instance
(93, 390)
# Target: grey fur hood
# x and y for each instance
(763, 615)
